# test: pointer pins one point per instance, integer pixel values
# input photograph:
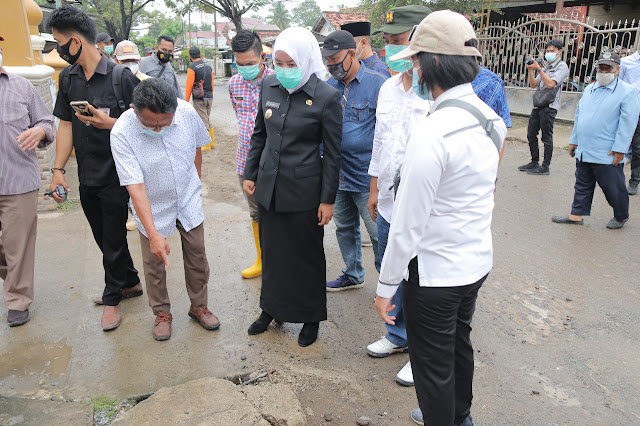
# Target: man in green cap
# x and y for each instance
(399, 107)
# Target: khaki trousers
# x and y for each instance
(203, 107)
(251, 200)
(18, 223)
(196, 270)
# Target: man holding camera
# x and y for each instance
(546, 101)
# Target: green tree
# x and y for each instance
(205, 27)
(307, 13)
(117, 17)
(279, 15)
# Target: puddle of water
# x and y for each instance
(49, 358)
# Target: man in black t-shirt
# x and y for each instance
(104, 201)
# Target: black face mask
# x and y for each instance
(63, 51)
(164, 57)
(337, 71)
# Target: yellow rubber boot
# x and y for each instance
(210, 145)
(256, 269)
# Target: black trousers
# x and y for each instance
(438, 322)
(635, 157)
(105, 207)
(610, 178)
(542, 118)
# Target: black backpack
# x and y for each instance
(116, 83)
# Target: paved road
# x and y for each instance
(556, 328)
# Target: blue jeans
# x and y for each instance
(347, 210)
(396, 334)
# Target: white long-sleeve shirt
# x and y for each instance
(397, 113)
(443, 209)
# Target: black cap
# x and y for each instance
(609, 58)
(337, 41)
(555, 43)
(194, 52)
(358, 29)
(103, 38)
(148, 50)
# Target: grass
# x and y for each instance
(65, 206)
(106, 404)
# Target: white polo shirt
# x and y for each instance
(443, 208)
(397, 113)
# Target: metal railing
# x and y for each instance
(506, 46)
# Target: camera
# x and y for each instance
(530, 61)
(59, 191)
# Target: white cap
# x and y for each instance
(127, 50)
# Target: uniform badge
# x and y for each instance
(274, 105)
(268, 114)
(309, 102)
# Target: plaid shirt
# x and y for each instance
(244, 98)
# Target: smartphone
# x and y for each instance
(82, 107)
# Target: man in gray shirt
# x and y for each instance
(159, 65)
(543, 116)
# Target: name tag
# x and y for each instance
(274, 105)
(239, 98)
(105, 110)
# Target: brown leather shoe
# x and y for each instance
(204, 317)
(162, 327)
(127, 293)
(111, 317)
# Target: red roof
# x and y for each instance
(202, 34)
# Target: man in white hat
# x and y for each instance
(439, 246)
(127, 54)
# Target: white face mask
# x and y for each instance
(132, 66)
(361, 52)
(0, 59)
(605, 78)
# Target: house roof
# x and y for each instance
(344, 16)
(252, 24)
(202, 34)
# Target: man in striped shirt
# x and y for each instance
(244, 90)
(25, 124)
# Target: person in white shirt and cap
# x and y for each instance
(439, 244)
(127, 54)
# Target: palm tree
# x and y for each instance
(279, 15)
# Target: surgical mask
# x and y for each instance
(164, 57)
(337, 71)
(155, 134)
(605, 78)
(401, 65)
(289, 77)
(133, 66)
(423, 94)
(359, 55)
(249, 72)
(108, 50)
(64, 53)
(550, 56)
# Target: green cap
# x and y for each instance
(402, 19)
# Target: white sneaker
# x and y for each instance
(405, 375)
(383, 348)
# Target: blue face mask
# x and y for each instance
(155, 134)
(289, 77)
(401, 65)
(108, 50)
(550, 56)
(249, 72)
(426, 94)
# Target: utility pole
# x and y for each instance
(189, 23)
(215, 35)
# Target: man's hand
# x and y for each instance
(249, 187)
(30, 138)
(572, 149)
(100, 119)
(56, 180)
(160, 247)
(325, 213)
(535, 66)
(617, 157)
(372, 205)
(383, 306)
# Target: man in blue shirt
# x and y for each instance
(490, 88)
(630, 73)
(361, 32)
(604, 123)
(359, 87)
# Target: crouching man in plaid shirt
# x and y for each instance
(244, 89)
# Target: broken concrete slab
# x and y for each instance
(276, 403)
(23, 411)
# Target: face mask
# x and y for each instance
(605, 78)
(164, 57)
(0, 59)
(108, 50)
(358, 55)
(550, 56)
(132, 66)
(289, 77)
(155, 134)
(401, 65)
(337, 71)
(64, 53)
(249, 72)
(426, 94)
